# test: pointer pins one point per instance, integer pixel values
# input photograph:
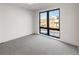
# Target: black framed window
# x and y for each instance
(43, 23)
(49, 22)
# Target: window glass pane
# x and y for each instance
(52, 27)
(43, 19)
(54, 19)
(44, 31)
(54, 33)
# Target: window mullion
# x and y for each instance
(48, 22)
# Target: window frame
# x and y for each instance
(47, 28)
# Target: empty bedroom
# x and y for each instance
(39, 28)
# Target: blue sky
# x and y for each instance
(51, 13)
(44, 15)
(54, 13)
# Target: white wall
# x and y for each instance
(78, 26)
(14, 22)
(78, 50)
(68, 23)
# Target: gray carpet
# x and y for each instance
(36, 45)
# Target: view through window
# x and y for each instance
(50, 22)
